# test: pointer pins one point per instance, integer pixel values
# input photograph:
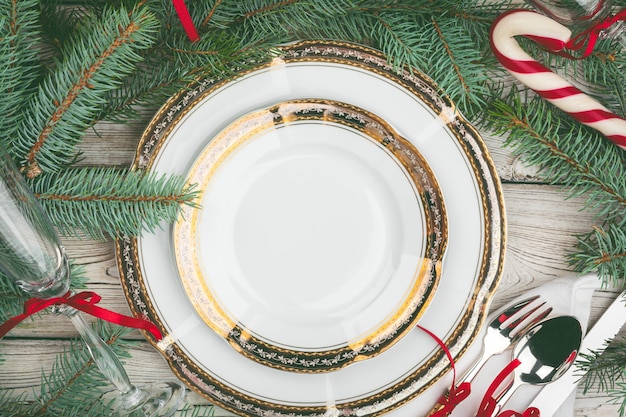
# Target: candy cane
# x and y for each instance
(544, 82)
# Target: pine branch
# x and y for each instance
(602, 250)
(569, 153)
(605, 370)
(60, 24)
(19, 64)
(581, 160)
(13, 404)
(197, 411)
(74, 375)
(110, 202)
(149, 87)
(456, 64)
(93, 62)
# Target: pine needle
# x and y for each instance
(110, 202)
(68, 97)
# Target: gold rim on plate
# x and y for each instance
(392, 323)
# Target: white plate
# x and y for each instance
(474, 256)
(318, 236)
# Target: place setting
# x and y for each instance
(342, 241)
(297, 278)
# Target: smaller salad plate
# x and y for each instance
(318, 236)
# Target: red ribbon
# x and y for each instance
(590, 36)
(455, 395)
(488, 404)
(586, 39)
(185, 20)
(84, 301)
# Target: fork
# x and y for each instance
(505, 329)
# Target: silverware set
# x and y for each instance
(545, 342)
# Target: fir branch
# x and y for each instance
(110, 202)
(605, 370)
(13, 404)
(581, 160)
(466, 83)
(277, 16)
(58, 27)
(602, 250)
(19, 63)
(568, 153)
(74, 375)
(149, 87)
(92, 65)
(197, 411)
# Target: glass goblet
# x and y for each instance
(581, 15)
(32, 256)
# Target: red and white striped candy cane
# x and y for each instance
(544, 82)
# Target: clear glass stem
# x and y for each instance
(106, 361)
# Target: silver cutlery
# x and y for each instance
(545, 352)
(505, 329)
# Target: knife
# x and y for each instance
(552, 396)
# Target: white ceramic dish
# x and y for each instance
(318, 237)
(474, 256)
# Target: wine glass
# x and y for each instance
(32, 256)
(582, 15)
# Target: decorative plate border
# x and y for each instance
(401, 319)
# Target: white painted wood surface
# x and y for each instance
(541, 225)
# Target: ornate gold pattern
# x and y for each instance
(402, 317)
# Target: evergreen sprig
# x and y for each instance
(19, 61)
(605, 371)
(102, 50)
(74, 374)
(109, 202)
(602, 250)
(581, 160)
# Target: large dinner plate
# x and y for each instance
(419, 112)
(318, 236)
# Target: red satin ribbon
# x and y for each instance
(590, 36)
(586, 39)
(84, 301)
(456, 394)
(185, 20)
(488, 404)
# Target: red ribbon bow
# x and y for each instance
(448, 402)
(586, 39)
(84, 301)
(590, 36)
(455, 394)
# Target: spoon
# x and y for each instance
(545, 353)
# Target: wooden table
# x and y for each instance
(541, 226)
